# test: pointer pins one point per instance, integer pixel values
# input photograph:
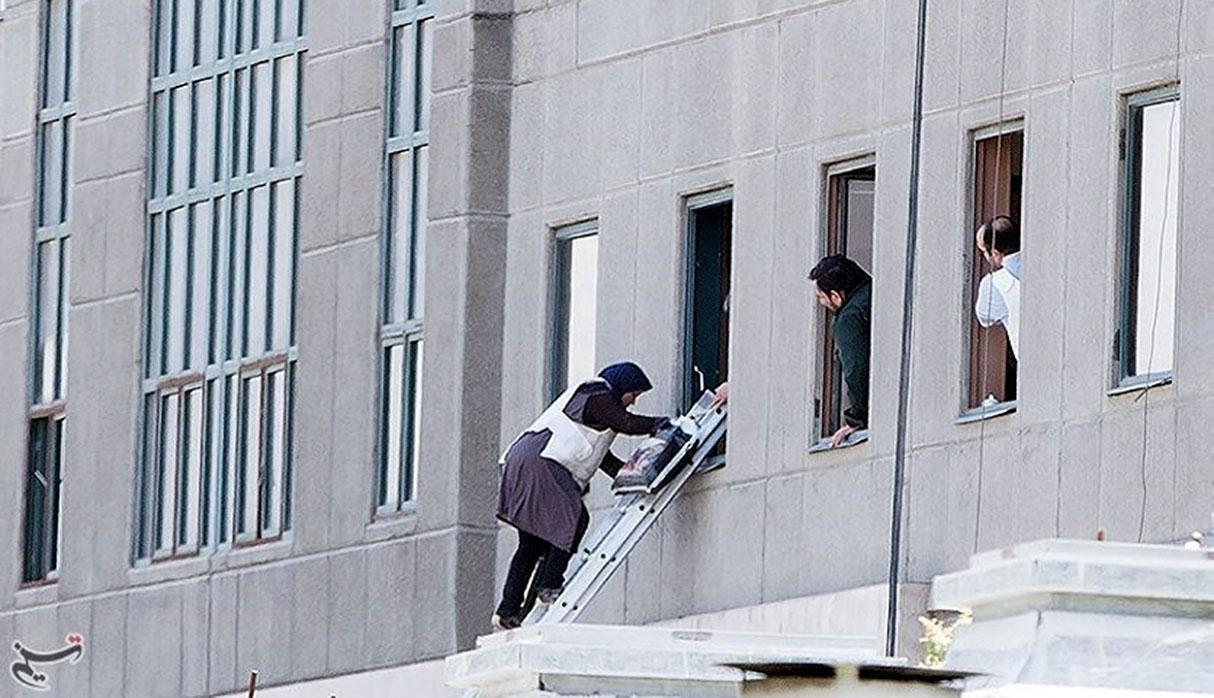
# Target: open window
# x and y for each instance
(706, 327)
(575, 298)
(1145, 340)
(997, 185)
(849, 196)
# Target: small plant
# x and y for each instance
(938, 627)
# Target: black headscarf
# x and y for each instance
(625, 377)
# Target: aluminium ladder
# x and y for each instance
(606, 548)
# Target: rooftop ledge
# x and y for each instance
(633, 660)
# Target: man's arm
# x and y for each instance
(852, 337)
(989, 307)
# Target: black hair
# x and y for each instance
(1001, 233)
(838, 273)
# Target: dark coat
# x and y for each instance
(537, 494)
(852, 332)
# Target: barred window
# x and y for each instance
(223, 205)
(48, 366)
(406, 156)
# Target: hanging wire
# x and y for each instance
(1163, 226)
(983, 345)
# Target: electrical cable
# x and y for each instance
(1145, 396)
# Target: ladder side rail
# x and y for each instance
(600, 566)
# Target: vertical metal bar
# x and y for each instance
(908, 306)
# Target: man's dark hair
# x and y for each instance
(1001, 233)
(838, 273)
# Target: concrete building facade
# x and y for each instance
(313, 497)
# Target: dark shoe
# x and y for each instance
(547, 596)
(501, 623)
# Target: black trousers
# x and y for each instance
(536, 556)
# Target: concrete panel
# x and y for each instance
(435, 597)
(794, 337)
(315, 327)
(362, 81)
(347, 608)
(1079, 480)
(359, 202)
(642, 573)
(1195, 311)
(473, 584)
(110, 145)
(89, 220)
(941, 64)
(798, 77)
(1090, 250)
(264, 620)
(453, 55)
(784, 541)
(153, 639)
(13, 431)
(391, 584)
(844, 66)
(354, 409)
(364, 21)
(750, 318)
(106, 645)
(1037, 466)
(659, 347)
(309, 645)
(449, 151)
(1126, 479)
(525, 338)
(17, 174)
(1194, 476)
(983, 68)
(102, 383)
(545, 42)
(679, 527)
(1091, 37)
(617, 281)
(528, 114)
(942, 304)
(488, 158)
(734, 521)
(73, 679)
(1044, 233)
(940, 511)
(721, 12)
(998, 523)
(124, 233)
(109, 77)
(319, 191)
(326, 26)
(323, 89)
(846, 525)
(195, 637)
(1144, 30)
(225, 597)
(1049, 41)
(754, 68)
(20, 58)
(15, 265)
(610, 27)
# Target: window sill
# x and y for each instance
(37, 594)
(153, 572)
(855, 439)
(981, 414)
(1137, 385)
(252, 553)
(393, 525)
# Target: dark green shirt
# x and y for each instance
(852, 330)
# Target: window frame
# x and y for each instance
(402, 331)
(1129, 150)
(972, 269)
(242, 188)
(691, 203)
(826, 368)
(560, 241)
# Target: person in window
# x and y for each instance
(845, 289)
(998, 301)
(547, 470)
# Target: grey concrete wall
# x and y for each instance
(339, 593)
(623, 107)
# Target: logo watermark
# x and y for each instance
(26, 670)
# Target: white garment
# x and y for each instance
(999, 300)
(573, 444)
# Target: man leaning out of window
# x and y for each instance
(845, 289)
